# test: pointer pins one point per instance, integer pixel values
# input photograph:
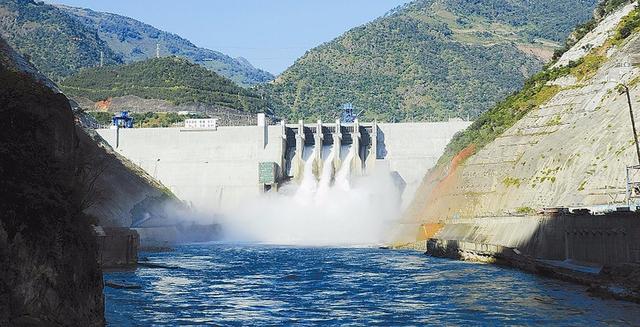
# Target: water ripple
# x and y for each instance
(234, 285)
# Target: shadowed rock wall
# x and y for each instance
(48, 270)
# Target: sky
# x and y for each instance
(271, 34)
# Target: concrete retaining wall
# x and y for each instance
(606, 239)
(411, 149)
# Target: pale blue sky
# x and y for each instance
(272, 34)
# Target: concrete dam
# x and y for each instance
(220, 167)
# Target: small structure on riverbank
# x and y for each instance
(117, 247)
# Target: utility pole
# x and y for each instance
(157, 50)
(101, 58)
(633, 122)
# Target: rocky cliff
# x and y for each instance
(564, 140)
(48, 270)
(56, 179)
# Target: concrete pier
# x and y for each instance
(337, 144)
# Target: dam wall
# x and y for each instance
(219, 168)
(211, 169)
(411, 149)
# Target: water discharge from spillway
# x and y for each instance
(329, 205)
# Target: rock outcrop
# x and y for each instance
(48, 270)
(56, 180)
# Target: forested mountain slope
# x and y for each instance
(171, 78)
(429, 59)
(54, 42)
(135, 40)
(61, 40)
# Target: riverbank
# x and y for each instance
(618, 282)
(597, 251)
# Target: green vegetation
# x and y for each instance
(102, 117)
(511, 181)
(135, 41)
(535, 19)
(172, 79)
(556, 120)
(607, 7)
(603, 9)
(547, 175)
(55, 43)
(525, 210)
(147, 119)
(582, 185)
(589, 64)
(427, 60)
(627, 26)
(59, 41)
(536, 92)
(497, 120)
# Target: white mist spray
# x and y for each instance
(309, 184)
(333, 211)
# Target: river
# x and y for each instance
(243, 284)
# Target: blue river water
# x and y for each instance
(255, 285)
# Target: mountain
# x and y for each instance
(61, 40)
(54, 42)
(563, 140)
(172, 79)
(135, 40)
(429, 59)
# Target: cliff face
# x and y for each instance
(48, 269)
(56, 179)
(570, 148)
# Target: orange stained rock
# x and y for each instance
(435, 202)
(103, 105)
(428, 231)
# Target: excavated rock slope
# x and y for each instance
(572, 150)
